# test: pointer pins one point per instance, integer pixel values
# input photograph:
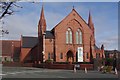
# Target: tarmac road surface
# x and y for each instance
(27, 72)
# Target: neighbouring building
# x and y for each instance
(10, 50)
(111, 53)
(70, 40)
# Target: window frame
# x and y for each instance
(97, 55)
(49, 56)
(61, 55)
(78, 36)
(69, 36)
(87, 55)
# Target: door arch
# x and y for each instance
(70, 56)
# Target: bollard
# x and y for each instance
(74, 69)
(85, 70)
(116, 71)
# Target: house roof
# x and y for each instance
(111, 51)
(29, 42)
(49, 35)
(96, 48)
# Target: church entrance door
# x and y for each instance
(70, 56)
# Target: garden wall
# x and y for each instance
(49, 65)
(16, 64)
(66, 66)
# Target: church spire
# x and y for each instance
(90, 18)
(90, 23)
(42, 23)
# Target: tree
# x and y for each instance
(7, 9)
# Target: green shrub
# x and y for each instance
(109, 61)
(61, 62)
(49, 61)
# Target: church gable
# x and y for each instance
(73, 17)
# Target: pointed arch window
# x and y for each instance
(97, 55)
(48, 56)
(87, 55)
(78, 37)
(61, 55)
(69, 36)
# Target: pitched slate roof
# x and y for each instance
(96, 48)
(49, 35)
(111, 51)
(29, 42)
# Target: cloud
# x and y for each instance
(27, 24)
(21, 25)
(53, 19)
(109, 42)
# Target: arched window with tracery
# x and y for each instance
(69, 36)
(97, 55)
(78, 36)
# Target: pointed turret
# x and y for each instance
(102, 47)
(42, 23)
(41, 36)
(90, 23)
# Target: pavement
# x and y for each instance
(27, 72)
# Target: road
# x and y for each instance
(27, 72)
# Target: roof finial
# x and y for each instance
(73, 6)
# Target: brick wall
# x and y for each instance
(15, 64)
(65, 66)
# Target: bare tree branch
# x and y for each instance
(17, 5)
(6, 10)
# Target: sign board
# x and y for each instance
(80, 54)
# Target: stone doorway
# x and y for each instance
(70, 56)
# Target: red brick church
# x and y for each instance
(70, 40)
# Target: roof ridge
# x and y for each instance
(67, 16)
